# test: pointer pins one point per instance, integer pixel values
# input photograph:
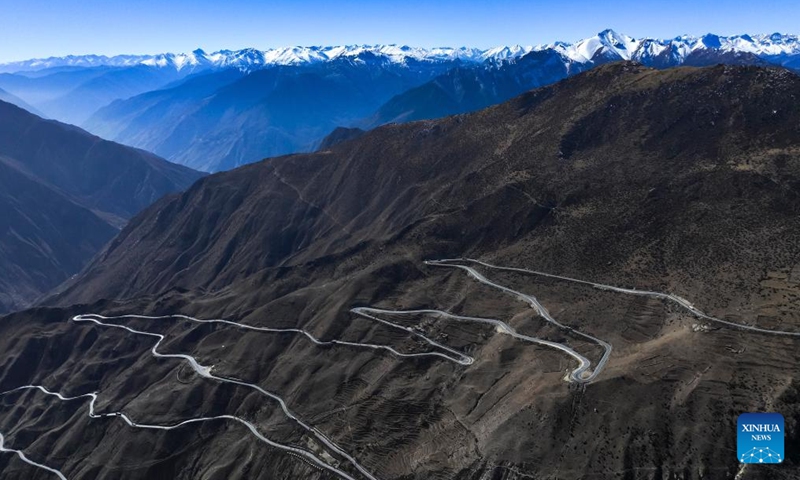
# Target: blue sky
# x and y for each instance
(40, 28)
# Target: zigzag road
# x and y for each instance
(127, 419)
(682, 302)
(582, 374)
(27, 460)
(500, 326)
(206, 372)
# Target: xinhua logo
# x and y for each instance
(760, 438)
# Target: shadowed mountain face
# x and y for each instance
(65, 193)
(684, 181)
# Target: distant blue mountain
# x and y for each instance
(215, 111)
(73, 95)
(227, 118)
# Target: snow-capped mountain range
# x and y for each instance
(607, 44)
(215, 111)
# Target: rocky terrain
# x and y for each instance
(683, 181)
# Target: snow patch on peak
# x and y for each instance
(606, 45)
(506, 52)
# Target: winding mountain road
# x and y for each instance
(458, 357)
(465, 360)
(127, 419)
(27, 460)
(205, 371)
(582, 374)
(501, 327)
(664, 296)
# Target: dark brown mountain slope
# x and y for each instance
(102, 175)
(612, 161)
(683, 181)
(45, 235)
(64, 194)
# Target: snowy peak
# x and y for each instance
(622, 45)
(505, 53)
(177, 61)
(607, 45)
